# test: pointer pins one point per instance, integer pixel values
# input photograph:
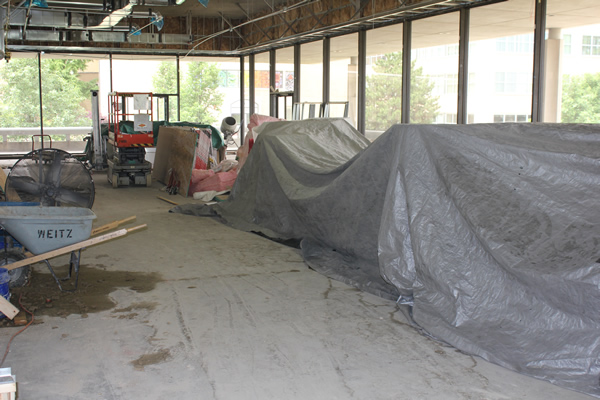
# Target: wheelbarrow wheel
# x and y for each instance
(18, 276)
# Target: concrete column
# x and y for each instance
(553, 75)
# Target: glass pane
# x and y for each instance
(261, 83)
(205, 98)
(311, 73)
(19, 103)
(156, 75)
(246, 117)
(571, 92)
(285, 81)
(164, 88)
(501, 61)
(384, 80)
(434, 73)
(343, 81)
(66, 98)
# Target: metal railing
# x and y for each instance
(19, 140)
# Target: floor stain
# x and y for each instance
(144, 305)
(151, 358)
(43, 297)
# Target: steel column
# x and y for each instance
(111, 71)
(98, 145)
(326, 69)
(463, 66)
(537, 99)
(242, 100)
(178, 92)
(362, 82)
(406, 64)
(297, 77)
(272, 97)
(41, 104)
(251, 84)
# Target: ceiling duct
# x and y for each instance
(57, 17)
(116, 16)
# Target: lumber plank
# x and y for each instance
(111, 225)
(7, 308)
(72, 247)
(167, 200)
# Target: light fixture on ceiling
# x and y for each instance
(135, 30)
(203, 2)
(157, 20)
(179, 2)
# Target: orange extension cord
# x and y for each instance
(13, 336)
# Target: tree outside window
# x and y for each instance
(384, 94)
(201, 99)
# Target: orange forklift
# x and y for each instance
(130, 132)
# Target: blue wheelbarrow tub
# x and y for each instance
(43, 229)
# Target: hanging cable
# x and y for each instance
(282, 11)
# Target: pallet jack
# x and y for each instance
(130, 132)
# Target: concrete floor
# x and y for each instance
(236, 316)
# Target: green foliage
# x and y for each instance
(63, 93)
(200, 98)
(384, 94)
(581, 98)
(164, 81)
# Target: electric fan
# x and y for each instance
(50, 177)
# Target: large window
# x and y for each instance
(515, 44)
(590, 45)
(434, 73)
(66, 100)
(261, 83)
(236, 109)
(311, 72)
(573, 78)
(206, 94)
(501, 62)
(343, 82)
(284, 81)
(384, 80)
(513, 82)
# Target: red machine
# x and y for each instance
(130, 131)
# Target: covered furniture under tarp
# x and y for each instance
(490, 233)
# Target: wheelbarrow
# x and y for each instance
(52, 231)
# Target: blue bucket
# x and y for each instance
(4, 290)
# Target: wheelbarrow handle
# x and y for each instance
(72, 247)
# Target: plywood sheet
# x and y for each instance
(175, 150)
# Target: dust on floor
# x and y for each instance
(42, 295)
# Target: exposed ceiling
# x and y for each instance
(238, 27)
(201, 27)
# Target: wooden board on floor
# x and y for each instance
(7, 308)
(176, 150)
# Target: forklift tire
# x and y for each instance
(18, 276)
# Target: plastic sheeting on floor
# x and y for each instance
(491, 231)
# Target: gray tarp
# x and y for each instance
(491, 231)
